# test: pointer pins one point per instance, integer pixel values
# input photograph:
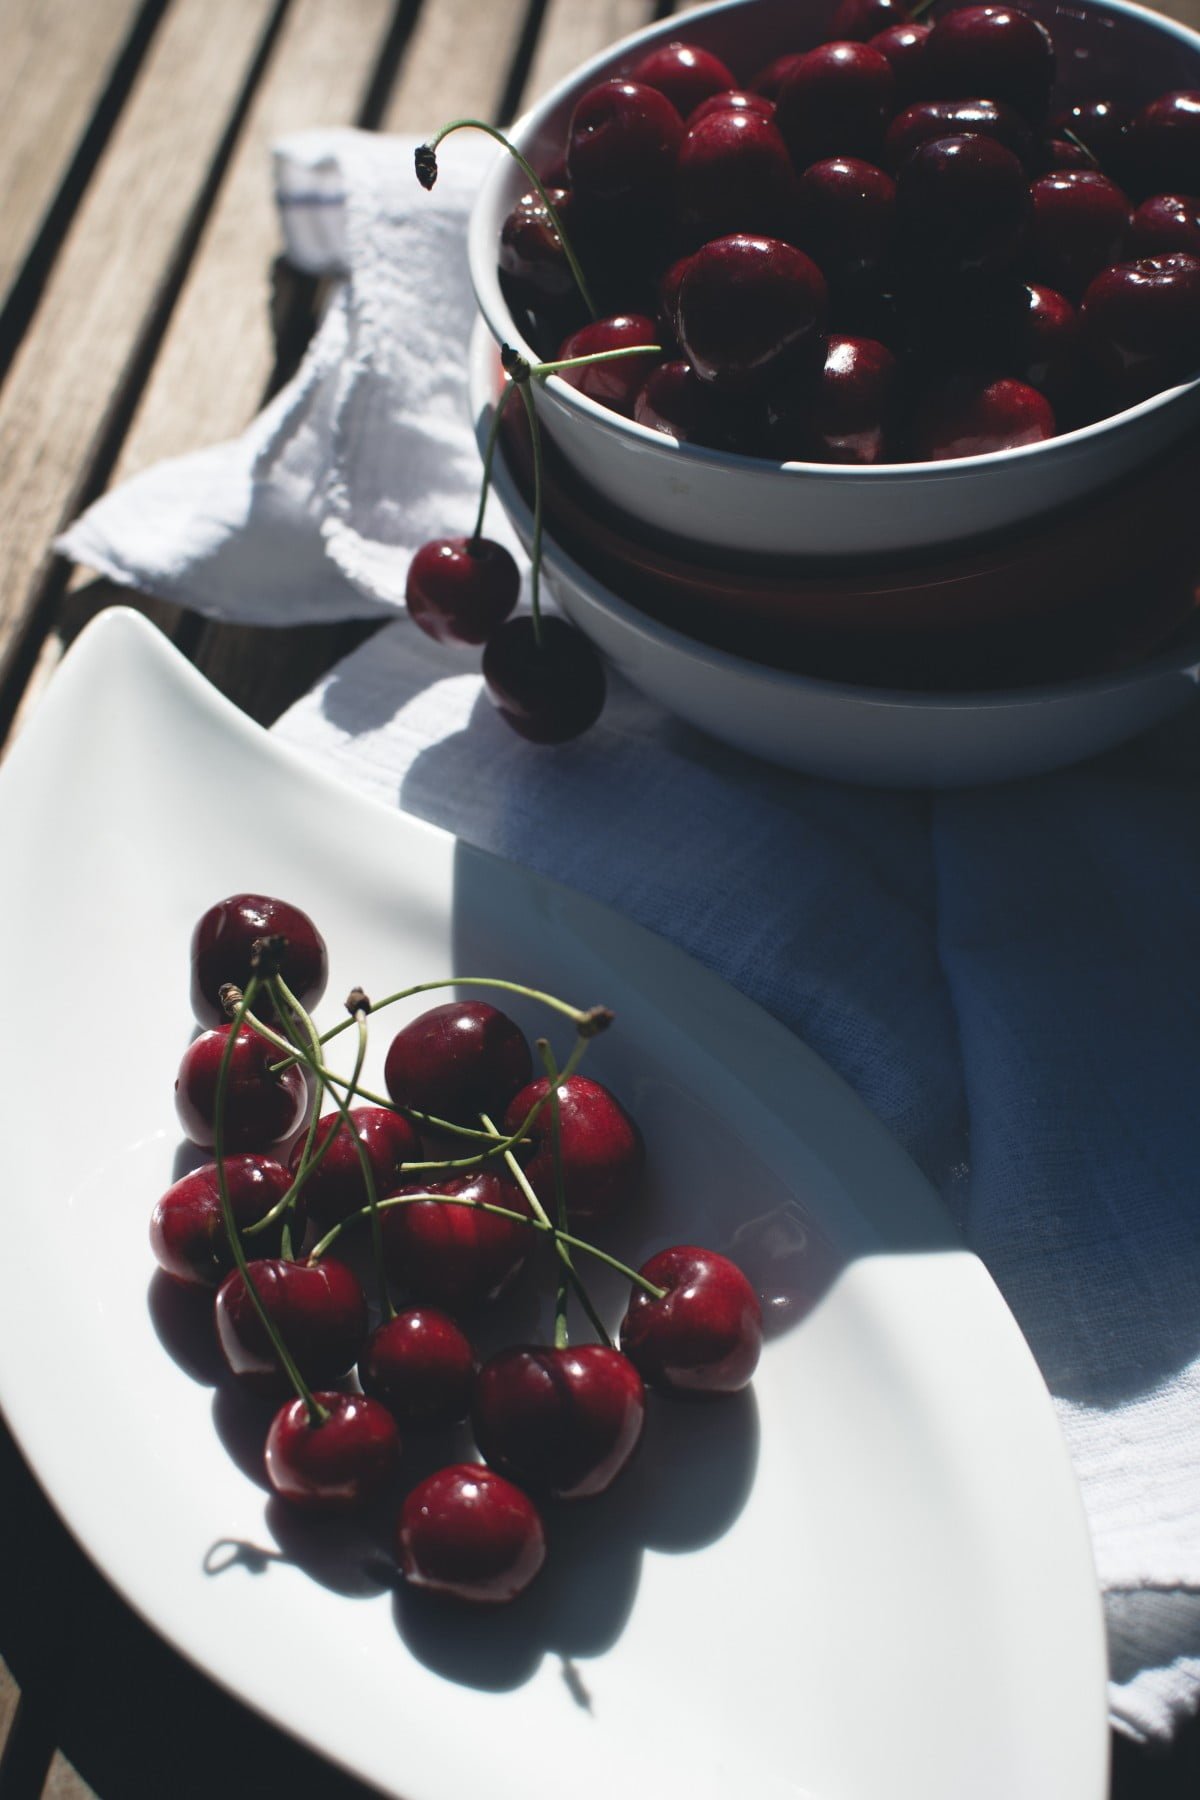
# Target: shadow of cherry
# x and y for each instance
(182, 1318)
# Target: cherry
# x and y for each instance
(971, 416)
(602, 1151)
(467, 1532)
(320, 1310)
(686, 74)
(563, 1422)
(1167, 143)
(963, 204)
(460, 588)
(734, 174)
(851, 418)
(927, 120)
(1142, 321)
(187, 1231)
(531, 252)
(261, 1108)
(548, 692)
(994, 50)
(614, 383)
(904, 47)
(674, 400)
(859, 20)
(704, 1335)
(338, 1465)
(335, 1188)
(1061, 153)
(1045, 344)
(1103, 126)
(421, 1366)
(1079, 225)
(770, 79)
(1164, 223)
(621, 145)
(668, 296)
(733, 100)
(749, 310)
(836, 101)
(224, 939)
(846, 216)
(458, 1060)
(458, 1257)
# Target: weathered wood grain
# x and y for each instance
(9, 1695)
(456, 64)
(573, 30)
(63, 1783)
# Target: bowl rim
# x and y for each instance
(481, 256)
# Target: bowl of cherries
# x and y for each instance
(858, 282)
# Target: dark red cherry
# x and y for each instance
(685, 73)
(1060, 153)
(971, 416)
(261, 1108)
(335, 1188)
(1141, 320)
(621, 145)
(615, 383)
(994, 50)
(338, 1465)
(668, 297)
(225, 937)
(845, 216)
(458, 1060)
(1079, 225)
(733, 100)
(459, 589)
(1164, 223)
(704, 1336)
(771, 78)
(1103, 127)
(562, 1422)
(421, 1366)
(858, 20)
(853, 410)
(926, 120)
(1167, 143)
(735, 174)
(836, 101)
(675, 401)
(1044, 350)
(751, 309)
(963, 205)
(904, 47)
(459, 1257)
(320, 1311)
(467, 1532)
(602, 1151)
(187, 1232)
(547, 692)
(531, 252)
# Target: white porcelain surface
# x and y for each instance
(869, 1578)
(813, 509)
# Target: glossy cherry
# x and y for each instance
(1141, 320)
(460, 588)
(1044, 349)
(614, 383)
(750, 310)
(733, 100)
(467, 1532)
(846, 217)
(926, 120)
(458, 1060)
(859, 20)
(963, 205)
(704, 1336)
(1166, 136)
(972, 416)
(685, 73)
(421, 1366)
(1079, 225)
(1163, 223)
(1103, 126)
(836, 101)
(602, 1151)
(621, 146)
(1063, 153)
(531, 252)
(772, 76)
(548, 692)
(994, 50)
(187, 1230)
(562, 1422)
(674, 400)
(338, 1465)
(904, 48)
(335, 1187)
(734, 174)
(852, 414)
(320, 1310)
(223, 942)
(457, 1257)
(261, 1108)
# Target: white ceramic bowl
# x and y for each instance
(817, 509)
(879, 736)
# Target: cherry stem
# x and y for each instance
(317, 1414)
(561, 1339)
(489, 456)
(539, 371)
(426, 162)
(1073, 138)
(535, 555)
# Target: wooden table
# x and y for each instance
(142, 314)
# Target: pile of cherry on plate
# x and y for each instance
(891, 247)
(496, 1153)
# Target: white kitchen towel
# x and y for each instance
(1009, 977)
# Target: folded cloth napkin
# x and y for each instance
(1009, 977)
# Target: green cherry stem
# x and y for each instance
(425, 161)
(317, 1414)
(560, 1193)
(541, 371)
(489, 457)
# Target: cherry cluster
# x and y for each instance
(890, 246)
(453, 1176)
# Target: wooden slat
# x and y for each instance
(116, 264)
(456, 65)
(63, 1783)
(573, 30)
(9, 1695)
(58, 57)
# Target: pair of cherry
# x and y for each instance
(556, 1422)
